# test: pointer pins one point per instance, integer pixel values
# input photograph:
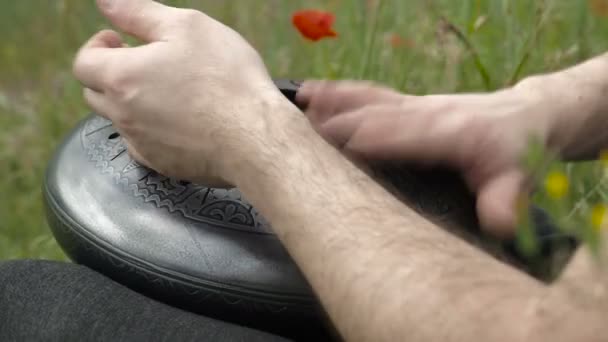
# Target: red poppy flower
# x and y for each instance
(314, 24)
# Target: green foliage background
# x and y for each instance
(40, 101)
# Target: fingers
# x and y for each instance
(98, 103)
(324, 99)
(496, 203)
(102, 106)
(392, 132)
(394, 136)
(135, 154)
(143, 19)
(94, 58)
(340, 128)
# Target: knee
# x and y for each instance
(14, 270)
(21, 276)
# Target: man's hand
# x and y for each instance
(190, 102)
(483, 135)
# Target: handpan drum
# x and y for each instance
(199, 248)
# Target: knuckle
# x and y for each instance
(118, 83)
(187, 18)
(115, 82)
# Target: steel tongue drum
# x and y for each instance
(208, 250)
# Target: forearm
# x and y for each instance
(381, 270)
(577, 100)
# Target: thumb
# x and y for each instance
(143, 19)
(496, 203)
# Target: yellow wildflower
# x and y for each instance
(604, 158)
(556, 184)
(598, 216)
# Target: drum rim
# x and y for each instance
(82, 233)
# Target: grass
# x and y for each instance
(452, 46)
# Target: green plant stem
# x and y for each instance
(371, 40)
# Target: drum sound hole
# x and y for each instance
(114, 136)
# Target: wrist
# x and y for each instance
(535, 91)
(271, 134)
(574, 101)
(557, 105)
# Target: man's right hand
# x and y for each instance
(482, 135)
(192, 101)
